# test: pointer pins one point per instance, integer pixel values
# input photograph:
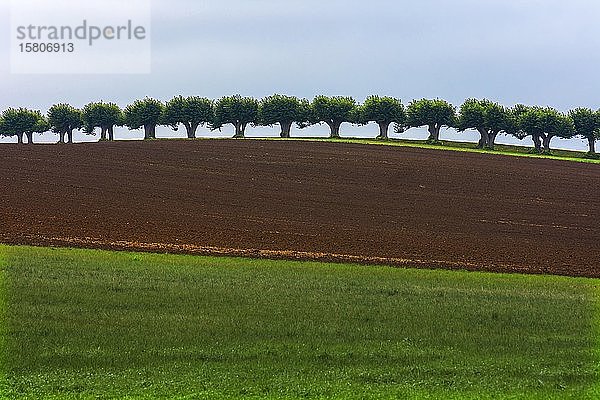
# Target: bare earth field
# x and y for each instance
(307, 200)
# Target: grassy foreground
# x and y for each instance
(95, 324)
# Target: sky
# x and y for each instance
(542, 52)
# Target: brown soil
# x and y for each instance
(307, 200)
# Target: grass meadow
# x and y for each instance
(80, 324)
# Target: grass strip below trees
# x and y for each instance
(508, 150)
(86, 323)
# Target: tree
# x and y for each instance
(236, 110)
(487, 117)
(333, 111)
(383, 111)
(21, 121)
(144, 113)
(557, 125)
(104, 116)
(282, 110)
(191, 112)
(513, 126)
(64, 119)
(543, 124)
(526, 122)
(587, 125)
(434, 114)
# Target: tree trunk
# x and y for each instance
(485, 138)
(149, 132)
(70, 136)
(191, 129)
(547, 139)
(592, 143)
(492, 140)
(335, 129)
(286, 128)
(61, 137)
(29, 138)
(537, 142)
(111, 133)
(434, 133)
(103, 133)
(239, 130)
(383, 130)
(20, 138)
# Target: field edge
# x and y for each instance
(286, 255)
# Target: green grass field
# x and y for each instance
(93, 324)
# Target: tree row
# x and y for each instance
(490, 119)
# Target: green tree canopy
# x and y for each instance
(283, 110)
(146, 113)
(434, 114)
(543, 124)
(236, 110)
(485, 116)
(191, 112)
(586, 123)
(384, 111)
(527, 123)
(64, 119)
(21, 121)
(513, 126)
(104, 116)
(333, 111)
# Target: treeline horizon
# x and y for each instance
(487, 117)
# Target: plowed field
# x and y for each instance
(307, 200)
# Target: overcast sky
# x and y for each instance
(514, 51)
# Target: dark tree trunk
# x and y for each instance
(547, 139)
(383, 130)
(149, 132)
(191, 129)
(29, 138)
(492, 140)
(537, 142)
(103, 133)
(434, 133)
(61, 137)
(485, 138)
(239, 130)
(111, 133)
(20, 138)
(70, 136)
(335, 129)
(592, 143)
(286, 128)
